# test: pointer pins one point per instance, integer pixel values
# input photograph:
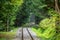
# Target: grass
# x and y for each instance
(37, 32)
(45, 37)
(8, 35)
(2, 38)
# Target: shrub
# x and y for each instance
(49, 27)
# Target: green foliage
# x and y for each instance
(52, 12)
(2, 38)
(57, 37)
(49, 26)
(48, 29)
(40, 34)
(8, 9)
(45, 23)
(8, 35)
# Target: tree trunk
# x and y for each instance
(58, 18)
(56, 6)
(7, 22)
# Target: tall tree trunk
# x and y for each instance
(7, 22)
(58, 18)
(56, 6)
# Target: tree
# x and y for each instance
(8, 10)
(56, 6)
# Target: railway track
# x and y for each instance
(26, 34)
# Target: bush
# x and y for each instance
(49, 27)
(46, 23)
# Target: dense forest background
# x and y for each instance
(16, 13)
